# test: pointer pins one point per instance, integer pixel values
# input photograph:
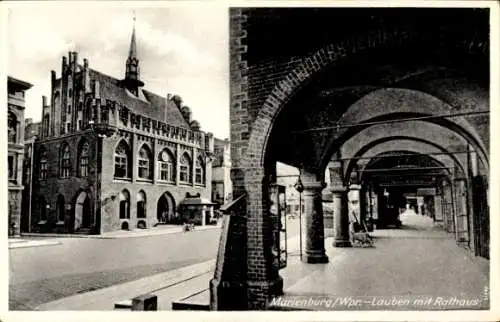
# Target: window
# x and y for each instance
(166, 165)
(144, 160)
(65, 162)
(70, 93)
(68, 127)
(12, 127)
(69, 108)
(12, 168)
(43, 165)
(79, 124)
(141, 204)
(124, 205)
(84, 160)
(121, 160)
(199, 172)
(185, 174)
(46, 119)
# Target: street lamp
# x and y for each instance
(300, 188)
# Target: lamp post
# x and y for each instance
(300, 188)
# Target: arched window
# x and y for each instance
(43, 164)
(65, 161)
(124, 205)
(200, 171)
(145, 163)
(166, 165)
(185, 174)
(122, 160)
(141, 204)
(83, 168)
(12, 127)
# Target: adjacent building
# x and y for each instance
(15, 133)
(222, 191)
(112, 155)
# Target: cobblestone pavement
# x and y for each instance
(419, 263)
(42, 274)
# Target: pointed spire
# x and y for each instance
(132, 53)
(132, 75)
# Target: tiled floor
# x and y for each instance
(416, 267)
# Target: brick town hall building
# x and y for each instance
(112, 155)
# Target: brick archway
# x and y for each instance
(309, 68)
(410, 144)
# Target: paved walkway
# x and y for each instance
(418, 267)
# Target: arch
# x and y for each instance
(123, 162)
(83, 158)
(13, 126)
(60, 208)
(124, 198)
(166, 165)
(141, 204)
(200, 171)
(186, 168)
(166, 209)
(425, 132)
(145, 163)
(311, 67)
(393, 103)
(411, 145)
(65, 161)
(83, 211)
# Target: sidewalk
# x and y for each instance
(134, 233)
(24, 243)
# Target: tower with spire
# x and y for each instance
(132, 80)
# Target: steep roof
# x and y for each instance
(149, 104)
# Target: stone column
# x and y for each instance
(315, 232)
(341, 217)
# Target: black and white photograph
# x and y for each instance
(186, 156)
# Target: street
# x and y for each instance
(43, 274)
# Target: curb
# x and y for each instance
(27, 244)
(115, 237)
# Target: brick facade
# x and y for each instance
(107, 116)
(281, 86)
(15, 134)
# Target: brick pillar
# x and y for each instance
(155, 169)
(315, 232)
(177, 164)
(341, 217)
(134, 157)
(263, 280)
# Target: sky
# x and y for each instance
(182, 50)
